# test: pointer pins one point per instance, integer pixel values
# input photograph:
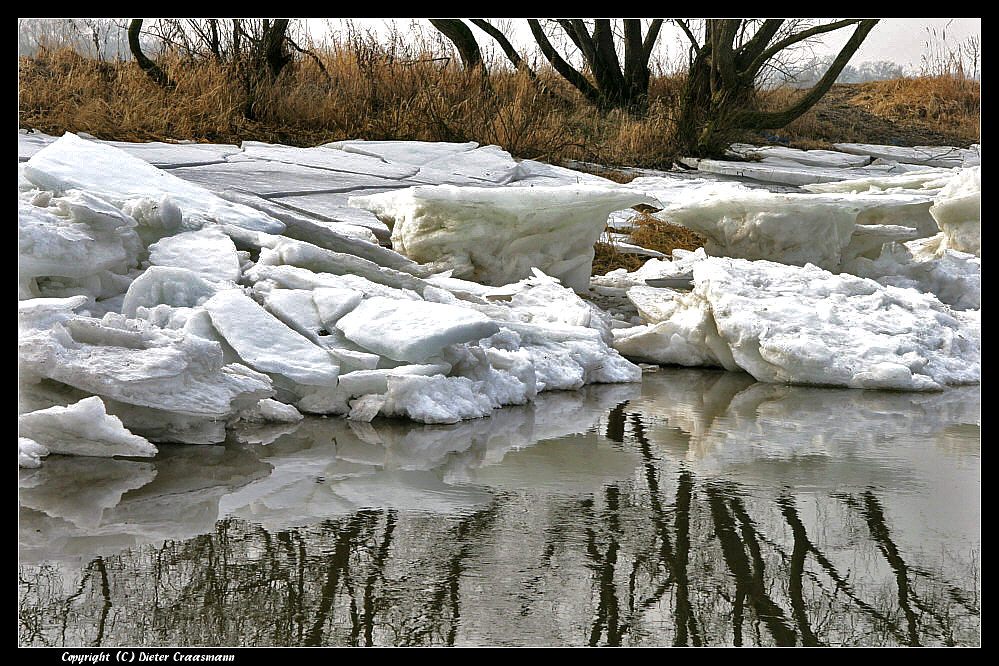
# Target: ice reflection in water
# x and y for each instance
(700, 508)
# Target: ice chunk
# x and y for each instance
(958, 211)
(332, 207)
(363, 382)
(787, 172)
(925, 181)
(332, 304)
(293, 277)
(934, 156)
(412, 330)
(139, 364)
(496, 235)
(207, 252)
(117, 177)
(785, 324)
(753, 224)
(266, 344)
(358, 234)
(42, 313)
(953, 277)
(290, 252)
(83, 429)
(30, 453)
(269, 410)
(77, 236)
(164, 285)
(825, 230)
(435, 399)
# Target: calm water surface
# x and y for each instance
(699, 508)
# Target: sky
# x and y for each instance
(905, 40)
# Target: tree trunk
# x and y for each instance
(463, 39)
(147, 65)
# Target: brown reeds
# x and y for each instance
(367, 91)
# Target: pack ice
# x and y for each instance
(804, 325)
(178, 302)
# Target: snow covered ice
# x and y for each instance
(186, 292)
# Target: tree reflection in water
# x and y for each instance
(666, 556)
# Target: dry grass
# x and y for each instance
(662, 236)
(946, 101)
(648, 232)
(371, 92)
(392, 90)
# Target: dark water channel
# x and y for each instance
(699, 508)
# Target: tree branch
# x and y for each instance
(775, 119)
(561, 66)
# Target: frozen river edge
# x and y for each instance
(169, 291)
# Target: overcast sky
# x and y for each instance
(904, 40)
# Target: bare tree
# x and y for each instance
(728, 59)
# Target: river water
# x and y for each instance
(698, 508)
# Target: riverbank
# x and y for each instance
(362, 95)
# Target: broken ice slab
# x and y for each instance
(173, 155)
(332, 206)
(83, 429)
(403, 152)
(496, 235)
(490, 164)
(791, 173)
(924, 181)
(350, 234)
(681, 282)
(329, 159)
(412, 331)
(953, 277)
(77, 236)
(263, 342)
(167, 285)
(785, 324)
(933, 156)
(820, 158)
(30, 453)
(868, 239)
(119, 178)
(281, 251)
(276, 179)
